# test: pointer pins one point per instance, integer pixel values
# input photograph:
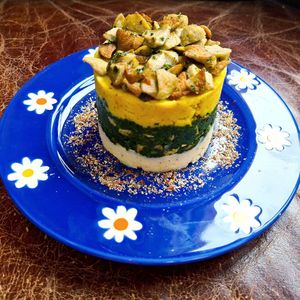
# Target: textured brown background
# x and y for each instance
(265, 37)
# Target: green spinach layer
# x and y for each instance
(153, 141)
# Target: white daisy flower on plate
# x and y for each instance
(241, 215)
(40, 102)
(120, 223)
(28, 173)
(242, 79)
(91, 53)
(273, 137)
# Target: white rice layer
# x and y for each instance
(176, 161)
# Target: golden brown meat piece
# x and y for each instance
(181, 88)
(116, 73)
(156, 38)
(211, 63)
(209, 84)
(192, 34)
(149, 84)
(142, 59)
(219, 67)
(127, 40)
(174, 20)
(146, 17)
(107, 50)
(137, 23)
(166, 83)
(143, 50)
(211, 43)
(172, 40)
(218, 51)
(99, 65)
(197, 53)
(161, 59)
(176, 69)
(197, 82)
(207, 31)
(111, 35)
(119, 21)
(134, 88)
(134, 75)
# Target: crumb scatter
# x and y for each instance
(91, 158)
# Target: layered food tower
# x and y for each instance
(158, 85)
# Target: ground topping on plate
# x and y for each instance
(93, 160)
(164, 59)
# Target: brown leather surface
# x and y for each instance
(265, 37)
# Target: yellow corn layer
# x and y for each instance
(151, 113)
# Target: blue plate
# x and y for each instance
(234, 205)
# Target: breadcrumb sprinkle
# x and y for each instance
(84, 146)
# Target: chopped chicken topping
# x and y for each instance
(164, 59)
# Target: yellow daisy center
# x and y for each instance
(41, 101)
(243, 79)
(121, 224)
(239, 217)
(275, 137)
(27, 173)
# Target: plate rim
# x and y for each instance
(141, 260)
